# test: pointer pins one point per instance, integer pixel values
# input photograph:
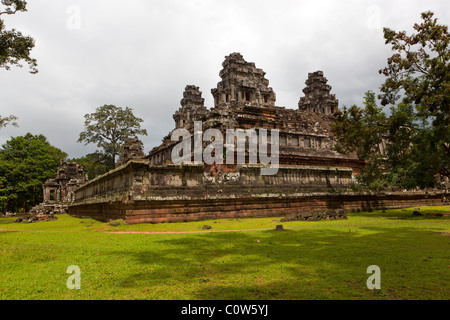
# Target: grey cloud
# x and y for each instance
(142, 54)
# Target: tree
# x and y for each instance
(411, 147)
(418, 73)
(3, 198)
(26, 162)
(362, 131)
(108, 127)
(14, 47)
(4, 121)
(420, 67)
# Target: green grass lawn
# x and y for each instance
(308, 260)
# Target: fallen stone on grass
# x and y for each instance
(114, 223)
(206, 227)
(279, 227)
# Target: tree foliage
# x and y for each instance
(14, 46)
(420, 68)
(361, 130)
(26, 162)
(415, 138)
(4, 121)
(108, 127)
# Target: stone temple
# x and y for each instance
(312, 182)
(244, 100)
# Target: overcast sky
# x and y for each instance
(142, 54)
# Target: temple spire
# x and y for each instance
(317, 95)
(242, 84)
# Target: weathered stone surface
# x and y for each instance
(243, 84)
(131, 149)
(317, 97)
(70, 176)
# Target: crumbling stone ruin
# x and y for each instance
(312, 182)
(58, 192)
(70, 175)
(131, 149)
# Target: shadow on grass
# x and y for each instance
(303, 264)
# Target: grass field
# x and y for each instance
(236, 259)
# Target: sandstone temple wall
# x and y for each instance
(141, 193)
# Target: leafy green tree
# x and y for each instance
(95, 164)
(420, 68)
(362, 131)
(108, 127)
(26, 162)
(411, 147)
(3, 198)
(15, 47)
(4, 121)
(418, 74)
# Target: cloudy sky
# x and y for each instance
(142, 54)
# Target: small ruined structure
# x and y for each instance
(70, 175)
(312, 181)
(58, 192)
(131, 149)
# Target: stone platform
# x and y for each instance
(142, 193)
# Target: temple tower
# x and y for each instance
(317, 95)
(192, 107)
(242, 84)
